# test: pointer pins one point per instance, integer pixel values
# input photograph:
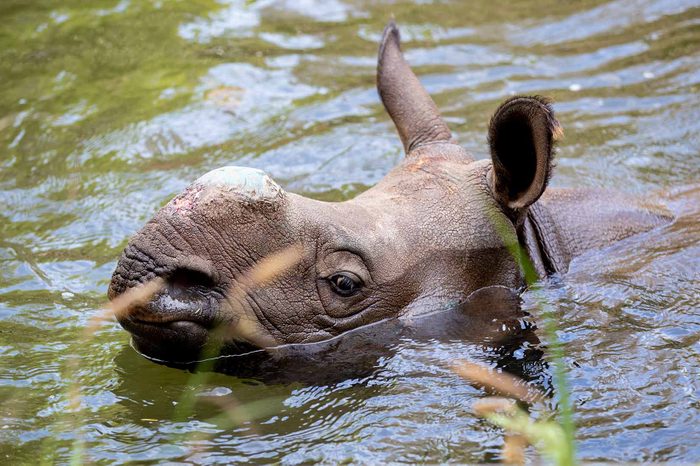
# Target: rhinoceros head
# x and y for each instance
(236, 251)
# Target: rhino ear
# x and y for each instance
(409, 105)
(522, 133)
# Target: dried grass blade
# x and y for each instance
(497, 382)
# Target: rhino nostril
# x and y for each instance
(186, 280)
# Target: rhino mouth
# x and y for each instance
(176, 323)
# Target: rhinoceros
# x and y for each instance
(437, 228)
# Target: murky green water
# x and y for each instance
(107, 111)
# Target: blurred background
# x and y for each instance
(109, 108)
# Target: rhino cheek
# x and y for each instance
(239, 323)
(286, 310)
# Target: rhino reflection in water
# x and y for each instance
(438, 227)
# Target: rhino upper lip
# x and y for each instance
(165, 321)
(154, 316)
(167, 308)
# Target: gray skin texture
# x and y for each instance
(438, 227)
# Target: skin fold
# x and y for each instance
(435, 229)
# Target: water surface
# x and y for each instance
(108, 110)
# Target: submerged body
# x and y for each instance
(437, 228)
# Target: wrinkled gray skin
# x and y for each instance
(491, 319)
(434, 230)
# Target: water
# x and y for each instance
(108, 111)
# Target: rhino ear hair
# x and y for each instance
(522, 134)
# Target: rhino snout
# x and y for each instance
(174, 323)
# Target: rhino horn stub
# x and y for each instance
(251, 183)
(242, 184)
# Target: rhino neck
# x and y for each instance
(540, 237)
(565, 223)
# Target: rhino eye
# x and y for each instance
(345, 283)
